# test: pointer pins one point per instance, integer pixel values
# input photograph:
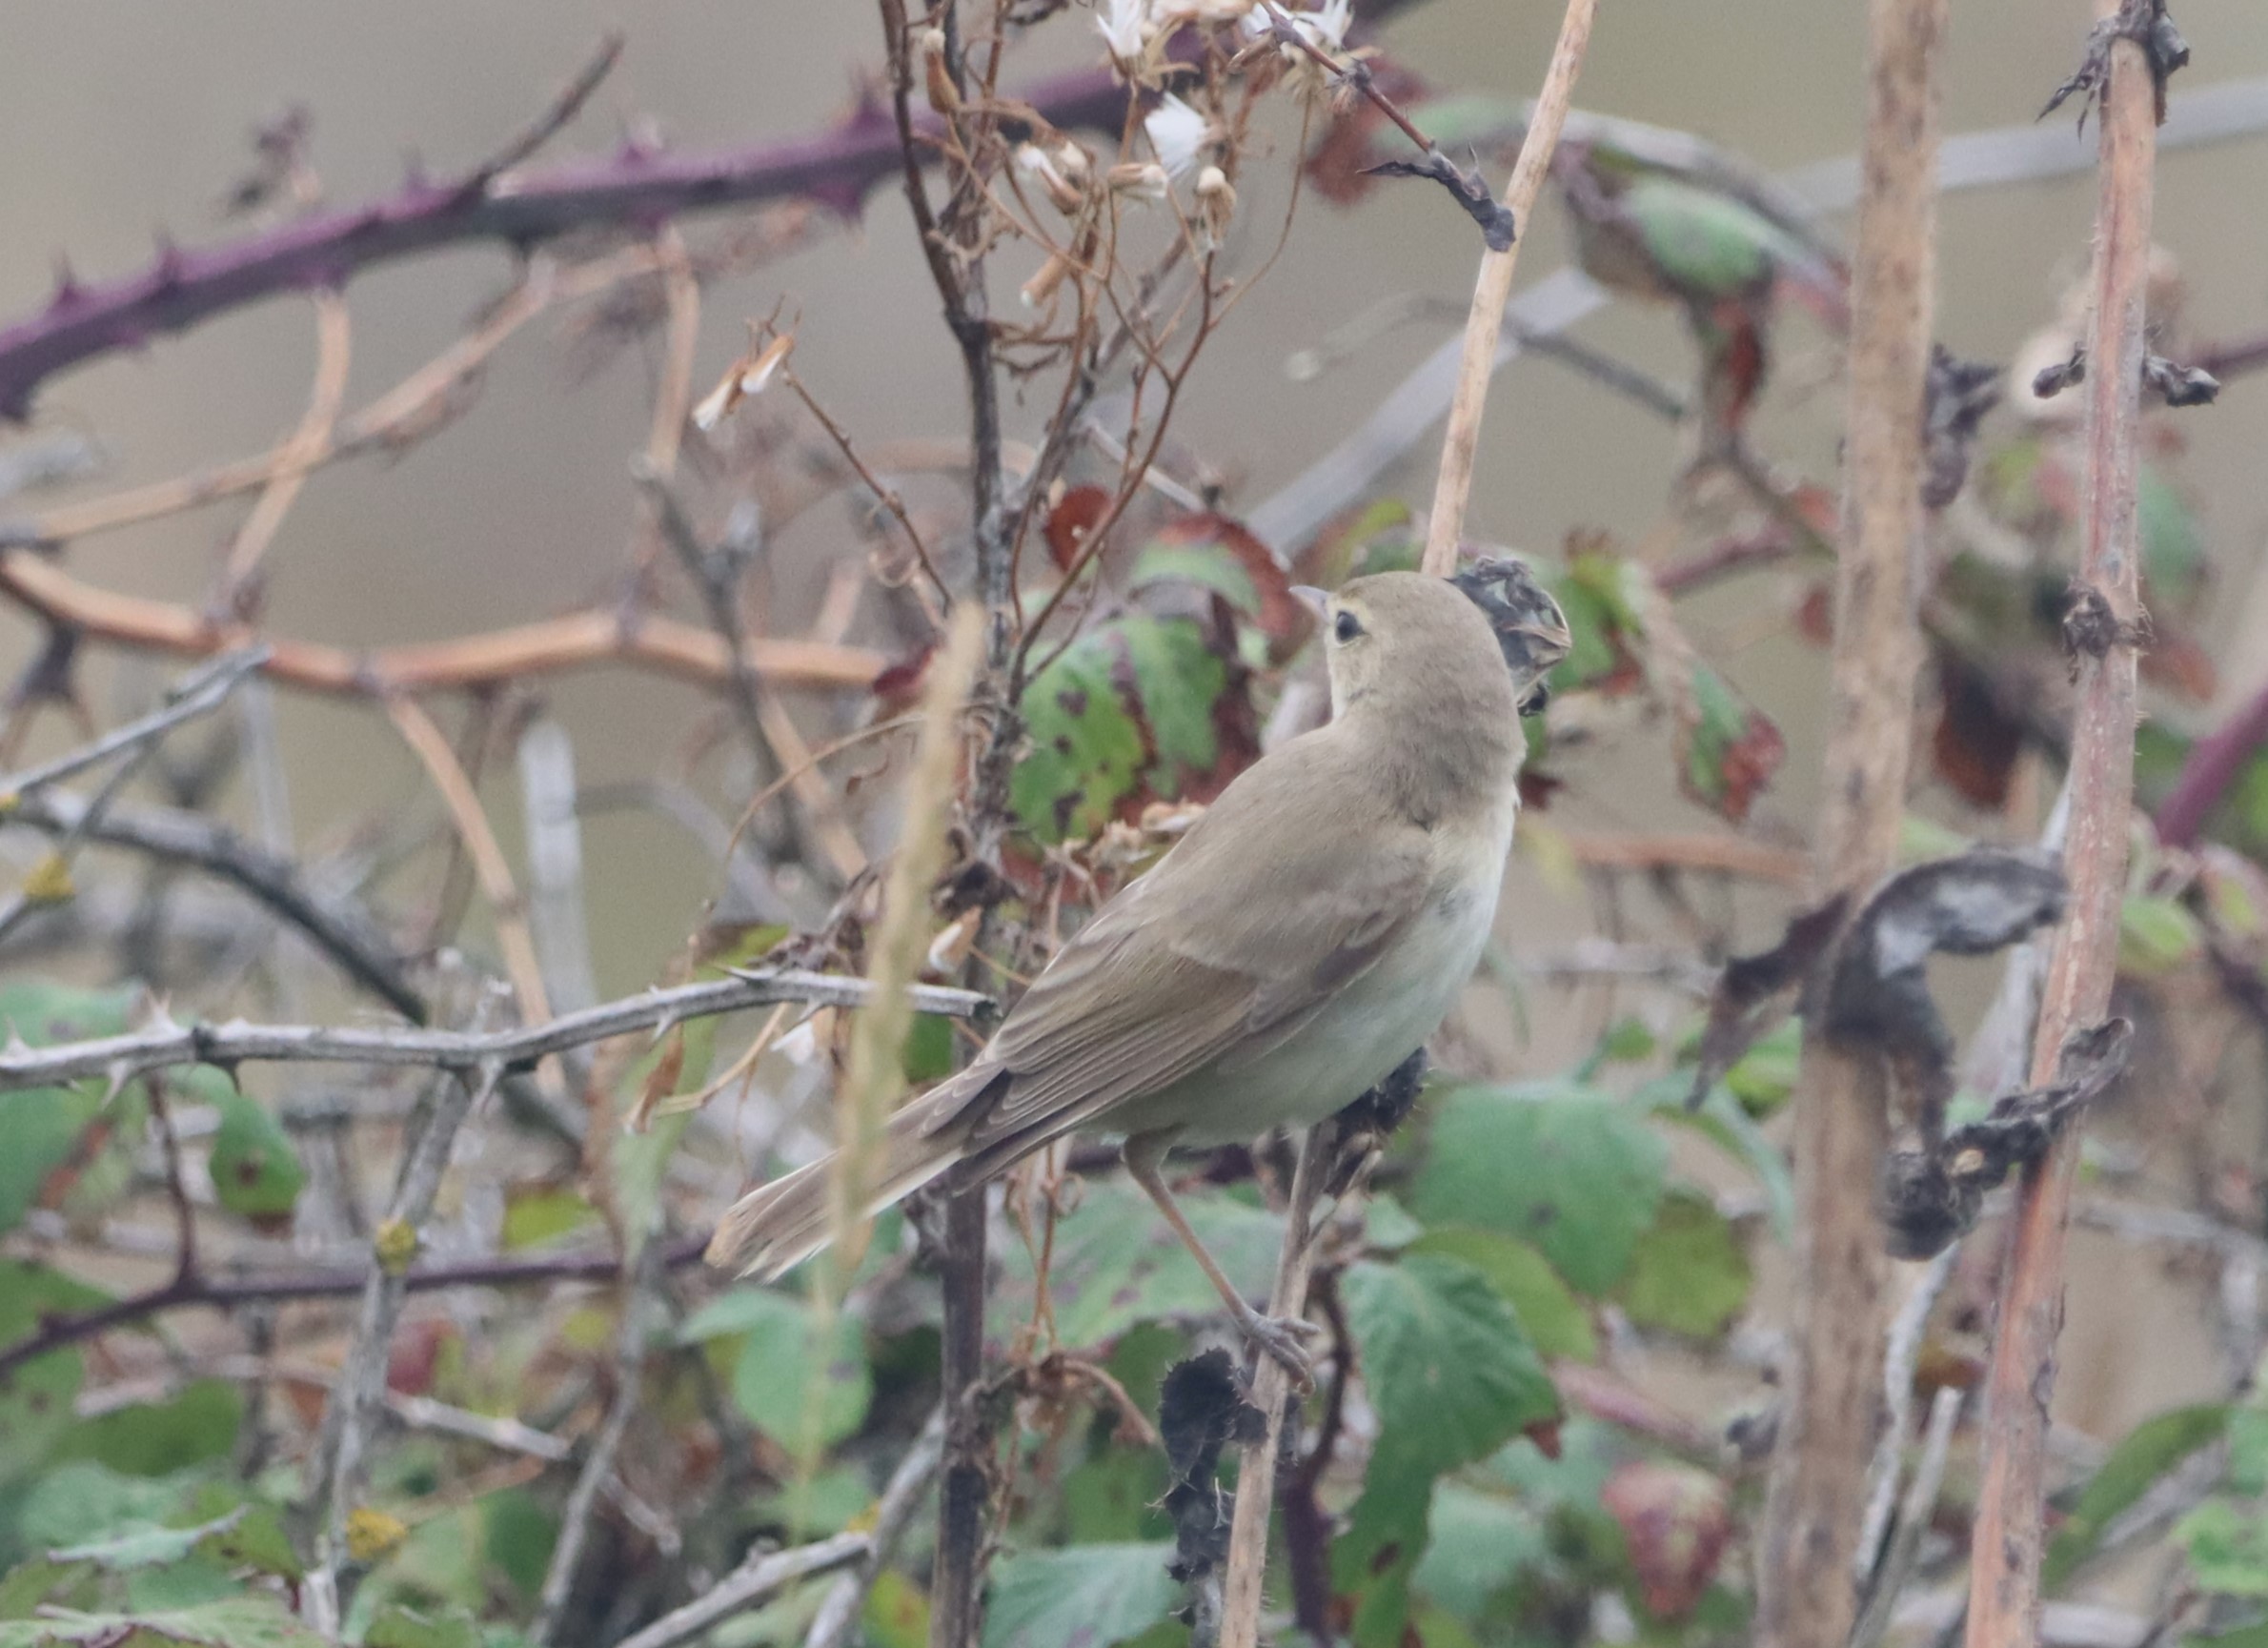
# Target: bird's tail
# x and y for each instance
(778, 1226)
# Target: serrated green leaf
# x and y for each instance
(1130, 710)
(775, 1374)
(2149, 1451)
(1690, 1273)
(1081, 1596)
(1451, 1376)
(1554, 1320)
(1574, 1172)
(1449, 1370)
(1117, 1264)
(146, 1546)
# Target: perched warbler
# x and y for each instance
(1307, 934)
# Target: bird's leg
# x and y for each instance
(1278, 1335)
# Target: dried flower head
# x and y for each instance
(1178, 133)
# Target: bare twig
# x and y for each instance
(166, 1042)
(893, 1514)
(555, 118)
(1460, 443)
(1904, 1554)
(1817, 1498)
(201, 693)
(573, 641)
(599, 1464)
(1246, 1563)
(333, 351)
(334, 1468)
(59, 1332)
(2212, 766)
(2004, 1574)
(489, 863)
(752, 1581)
(338, 927)
(1898, 1362)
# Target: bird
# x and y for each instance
(1306, 935)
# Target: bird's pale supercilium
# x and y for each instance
(1307, 934)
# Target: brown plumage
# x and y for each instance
(1308, 933)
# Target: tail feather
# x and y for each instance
(776, 1226)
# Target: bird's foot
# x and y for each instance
(1280, 1338)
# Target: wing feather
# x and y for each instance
(1232, 943)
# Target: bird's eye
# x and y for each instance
(1348, 627)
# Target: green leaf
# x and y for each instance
(535, 1214)
(775, 1375)
(1728, 750)
(928, 1055)
(1133, 709)
(1478, 1544)
(158, 1438)
(396, 1626)
(145, 1547)
(1706, 243)
(1450, 1376)
(244, 1621)
(2175, 556)
(2155, 935)
(1116, 1264)
(30, 1586)
(2227, 1544)
(1689, 1273)
(2150, 1450)
(36, 1398)
(40, 1128)
(1556, 1322)
(1603, 623)
(255, 1171)
(1574, 1173)
(1081, 1596)
(1450, 1372)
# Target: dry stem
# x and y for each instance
(2004, 1575)
(1817, 1499)
(1460, 443)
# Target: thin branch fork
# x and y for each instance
(164, 1042)
(2004, 1572)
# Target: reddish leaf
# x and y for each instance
(1074, 516)
(1728, 750)
(898, 686)
(1676, 1523)
(1263, 592)
(1544, 1435)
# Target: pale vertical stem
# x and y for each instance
(1461, 441)
(1271, 1390)
(2004, 1574)
(1817, 1499)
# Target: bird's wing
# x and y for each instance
(1258, 917)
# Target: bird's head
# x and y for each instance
(1401, 628)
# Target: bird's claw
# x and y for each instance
(1279, 1338)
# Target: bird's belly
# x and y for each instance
(1378, 1020)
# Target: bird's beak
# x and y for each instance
(1314, 599)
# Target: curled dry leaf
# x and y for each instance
(749, 376)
